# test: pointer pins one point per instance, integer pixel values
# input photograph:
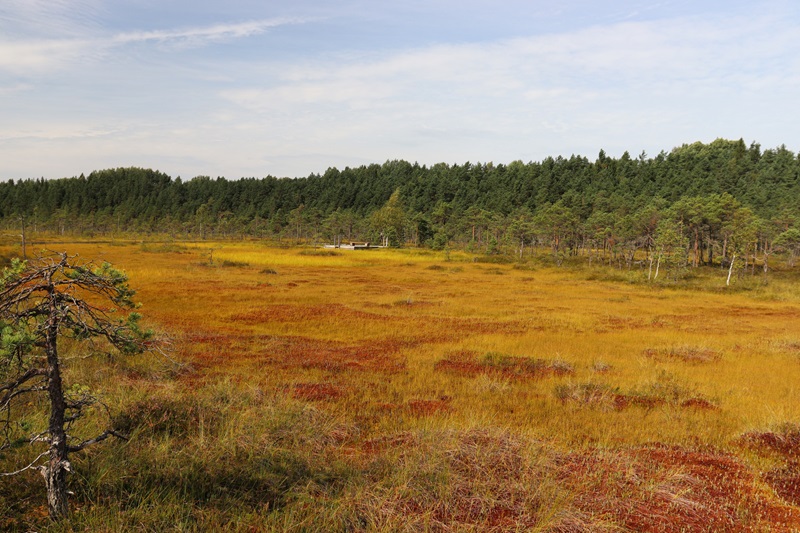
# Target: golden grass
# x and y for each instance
(377, 323)
(410, 343)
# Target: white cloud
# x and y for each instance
(202, 35)
(58, 132)
(627, 86)
(40, 55)
(659, 56)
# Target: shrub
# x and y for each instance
(228, 263)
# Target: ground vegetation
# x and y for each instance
(418, 390)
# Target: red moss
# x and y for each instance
(333, 356)
(626, 323)
(464, 368)
(786, 443)
(687, 354)
(668, 489)
(623, 401)
(785, 482)
(428, 407)
(316, 391)
(286, 313)
(699, 403)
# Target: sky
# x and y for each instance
(250, 88)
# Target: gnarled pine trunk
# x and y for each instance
(55, 473)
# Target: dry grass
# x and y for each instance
(400, 391)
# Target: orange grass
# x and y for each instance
(653, 387)
(387, 325)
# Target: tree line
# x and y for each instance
(698, 204)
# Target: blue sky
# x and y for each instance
(286, 88)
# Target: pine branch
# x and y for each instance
(103, 436)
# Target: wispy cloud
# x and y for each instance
(39, 56)
(25, 54)
(660, 54)
(63, 132)
(579, 88)
(202, 35)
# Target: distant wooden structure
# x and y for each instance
(355, 245)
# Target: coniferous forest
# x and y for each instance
(698, 204)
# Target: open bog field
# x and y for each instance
(403, 390)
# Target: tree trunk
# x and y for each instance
(658, 265)
(55, 476)
(55, 473)
(725, 248)
(710, 252)
(24, 249)
(702, 250)
(730, 270)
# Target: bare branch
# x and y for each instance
(6, 401)
(103, 436)
(41, 437)
(30, 374)
(21, 470)
(163, 347)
